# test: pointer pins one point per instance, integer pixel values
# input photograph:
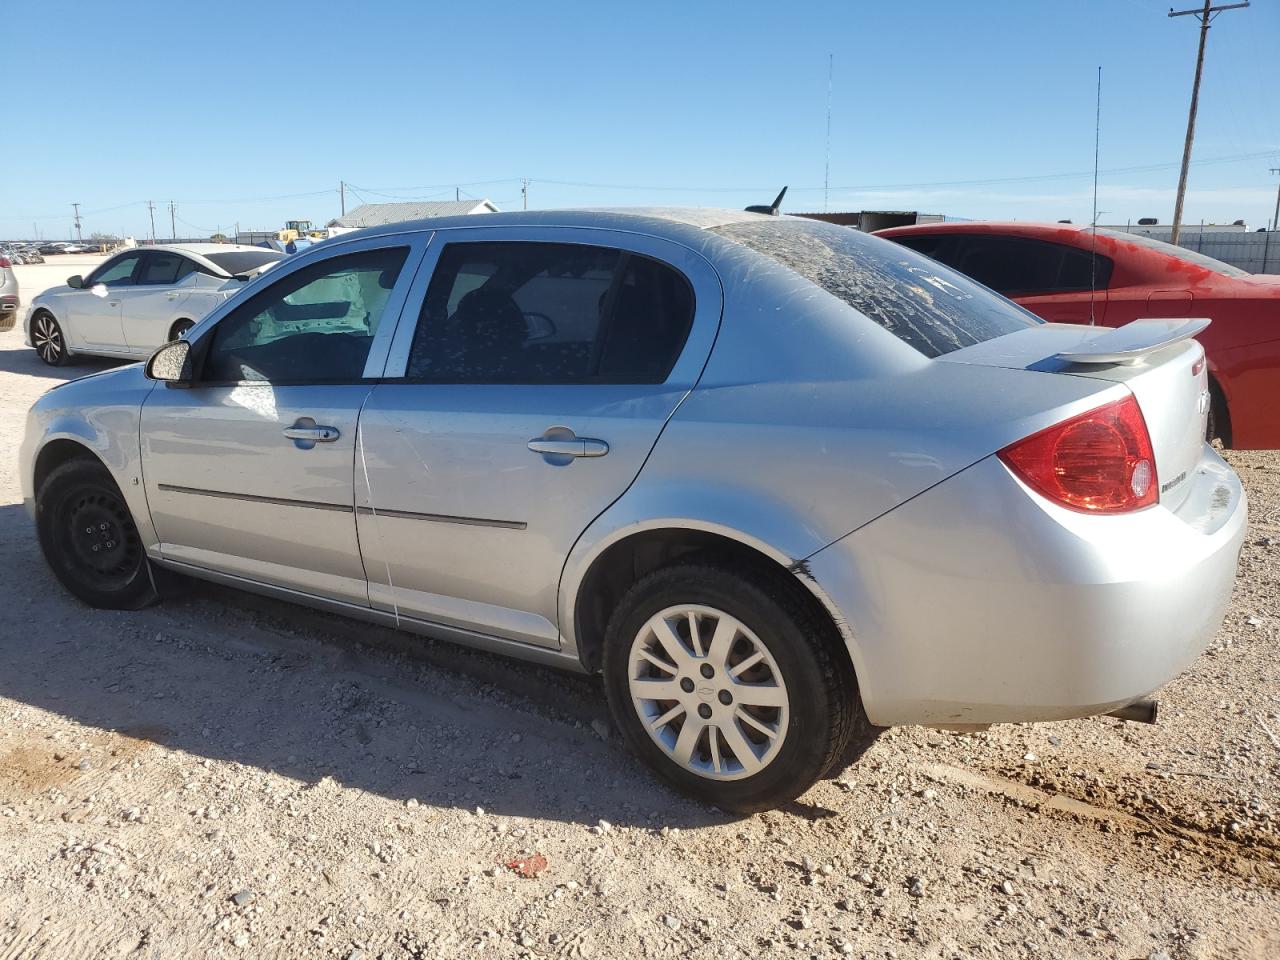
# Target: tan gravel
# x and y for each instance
(223, 776)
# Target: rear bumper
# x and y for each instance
(981, 602)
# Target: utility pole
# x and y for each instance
(79, 236)
(151, 207)
(342, 194)
(1205, 16)
(524, 191)
(1275, 221)
(173, 226)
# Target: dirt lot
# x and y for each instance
(224, 776)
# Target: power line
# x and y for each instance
(1206, 15)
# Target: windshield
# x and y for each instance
(1181, 253)
(243, 261)
(918, 300)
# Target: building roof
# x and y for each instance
(377, 214)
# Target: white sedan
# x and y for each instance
(139, 299)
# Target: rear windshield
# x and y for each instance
(242, 261)
(1181, 253)
(921, 302)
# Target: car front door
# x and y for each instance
(248, 471)
(540, 371)
(162, 284)
(93, 312)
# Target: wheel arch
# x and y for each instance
(631, 553)
(1221, 407)
(58, 451)
(44, 307)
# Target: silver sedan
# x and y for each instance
(781, 483)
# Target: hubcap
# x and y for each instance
(708, 692)
(47, 339)
(100, 536)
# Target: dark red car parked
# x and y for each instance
(1048, 268)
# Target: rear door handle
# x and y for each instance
(561, 442)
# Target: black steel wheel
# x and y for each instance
(89, 538)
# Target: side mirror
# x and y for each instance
(75, 282)
(171, 364)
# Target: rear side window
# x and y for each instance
(1016, 266)
(162, 269)
(924, 304)
(549, 313)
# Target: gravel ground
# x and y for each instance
(224, 776)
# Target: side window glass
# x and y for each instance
(1078, 273)
(118, 273)
(315, 325)
(549, 313)
(160, 269)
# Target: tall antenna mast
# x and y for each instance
(826, 176)
(1093, 243)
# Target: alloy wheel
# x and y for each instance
(47, 338)
(708, 692)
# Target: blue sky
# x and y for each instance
(252, 113)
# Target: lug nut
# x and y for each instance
(725, 697)
(704, 711)
(686, 685)
(707, 670)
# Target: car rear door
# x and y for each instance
(147, 310)
(248, 470)
(532, 374)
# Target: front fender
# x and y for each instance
(99, 413)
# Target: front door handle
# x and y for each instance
(560, 445)
(306, 433)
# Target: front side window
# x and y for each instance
(924, 304)
(549, 313)
(315, 325)
(117, 273)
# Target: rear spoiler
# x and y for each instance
(1133, 341)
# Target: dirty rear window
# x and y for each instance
(923, 303)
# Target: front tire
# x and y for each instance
(729, 685)
(47, 338)
(89, 538)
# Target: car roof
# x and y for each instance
(202, 249)
(670, 222)
(1025, 228)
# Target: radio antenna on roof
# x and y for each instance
(773, 209)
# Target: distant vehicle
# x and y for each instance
(776, 480)
(8, 294)
(58, 246)
(74, 248)
(139, 299)
(299, 229)
(1047, 268)
(93, 247)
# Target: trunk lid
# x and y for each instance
(1155, 359)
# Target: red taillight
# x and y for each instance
(5, 262)
(1097, 462)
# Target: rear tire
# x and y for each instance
(48, 339)
(766, 685)
(89, 538)
(179, 328)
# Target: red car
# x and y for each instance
(1047, 268)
